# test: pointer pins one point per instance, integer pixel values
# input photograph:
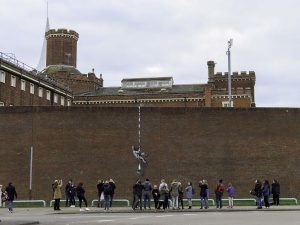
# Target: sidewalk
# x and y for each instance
(194, 209)
(64, 210)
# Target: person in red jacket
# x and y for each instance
(219, 193)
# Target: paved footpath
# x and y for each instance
(286, 215)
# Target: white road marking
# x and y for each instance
(140, 217)
(91, 221)
(163, 216)
(96, 216)
(190, 214)
(102, 221)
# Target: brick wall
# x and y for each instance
(14, 94)
(87, 143)
(10, 95)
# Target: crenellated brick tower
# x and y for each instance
(61, 47)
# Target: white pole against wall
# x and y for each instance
(139, 126)
(230, 42)
(30, 172)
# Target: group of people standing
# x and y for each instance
(167, 196)
(106, 192)
(164, 195)
(263, 190)
(105, 189)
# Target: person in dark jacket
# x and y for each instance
(204, 194)
(106, 188)
(11, 193)
(180, 195)
(266, 193)
(147, 193)
(100, 189)
(257, 192)
(67, 193)
(72, 193)
(112, 193)
(275, 192)
(155, 195)
(80, 195)
(137, 191)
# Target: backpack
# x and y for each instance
(147, 186)
(219, 189)
(106, 189)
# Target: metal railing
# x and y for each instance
(52, 201)
(114, 200)
(290, 199)
(31, 201)
(240, 200)
(127, 202)
(198, 200)
(32, 71)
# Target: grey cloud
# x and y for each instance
(126, 38)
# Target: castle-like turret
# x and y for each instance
(61, 47)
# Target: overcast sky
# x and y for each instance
(144, 38)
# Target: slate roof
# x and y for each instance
(60, 68)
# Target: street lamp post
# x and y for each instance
(230, 42)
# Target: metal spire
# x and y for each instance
(42, 62)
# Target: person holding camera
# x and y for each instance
(57, 195)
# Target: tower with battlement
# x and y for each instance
(242, 87)
(61, 61)
(61, 47)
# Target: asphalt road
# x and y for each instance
(47, 217)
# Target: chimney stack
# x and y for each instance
(211, 70)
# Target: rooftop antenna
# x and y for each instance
(230, 43)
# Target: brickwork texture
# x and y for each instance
(189, 144)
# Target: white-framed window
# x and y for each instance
(226, 104)
(23, 85)
(48, 95)
(69, 102)
(31, 88)
(55, 98)
(40, 92)
(62, 100)
(13, 81)
(2, 76)
(1, 104)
